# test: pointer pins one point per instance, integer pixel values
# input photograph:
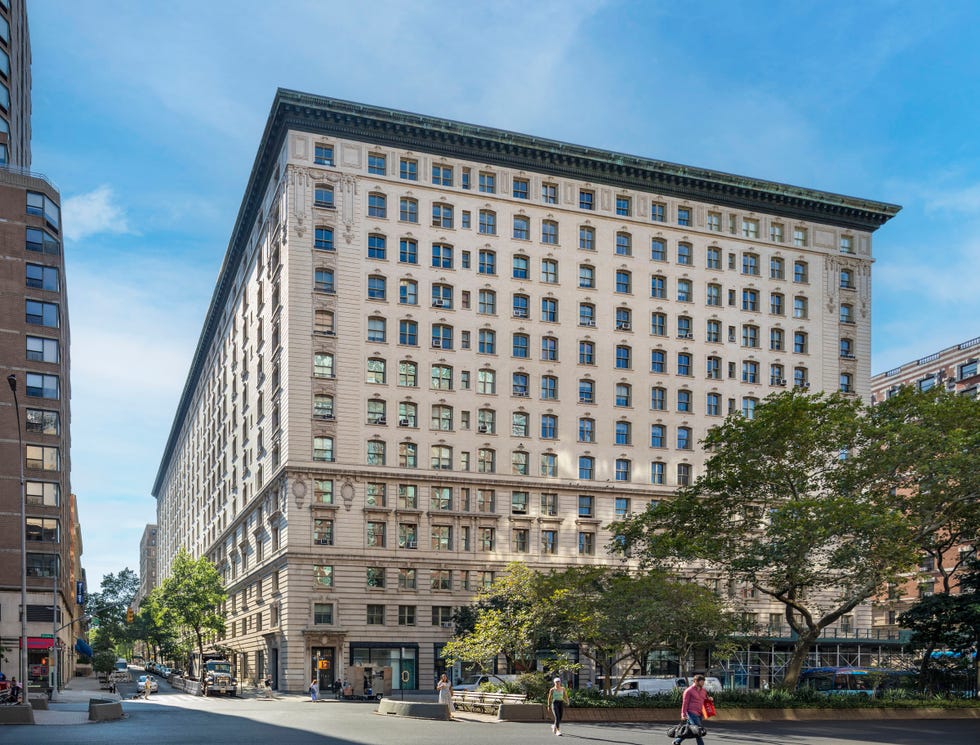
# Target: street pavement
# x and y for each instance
(172, 716)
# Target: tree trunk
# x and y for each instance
(798, 658)
(924, 667)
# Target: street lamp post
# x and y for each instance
(12, 382)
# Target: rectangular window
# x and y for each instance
(375, 615)
(488, 183)
(42, 458)
(43, 493)
(323, 532)
(42, 241)
(41, 277)
(521, 188)
(406, 615)
(442, 175)
(42, 314)
(322, 613)
(322, 575)
(323, 154)
(377, 164)
(408, 169)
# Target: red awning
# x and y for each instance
(35, 642)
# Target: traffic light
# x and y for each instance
(129, 615)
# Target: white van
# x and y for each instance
(654, 686)
(711, 685)
(650, 686)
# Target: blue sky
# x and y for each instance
(148, 115)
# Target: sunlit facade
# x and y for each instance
(436, 348)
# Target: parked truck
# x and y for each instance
(216, 675)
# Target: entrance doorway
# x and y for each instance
(322, 661)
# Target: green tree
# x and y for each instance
(616, 615)
(786, 505)
(511, 620)
(933, 460)
(950, 622)
(155, 624)
(109, 605)
(191, 596)
(933, 457)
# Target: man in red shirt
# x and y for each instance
(692, 704)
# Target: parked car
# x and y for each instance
(141, 683)
(473, 682)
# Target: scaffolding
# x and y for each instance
(764, 665)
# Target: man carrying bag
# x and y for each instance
(692, 704)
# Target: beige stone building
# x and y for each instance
(435, 348)
(148, 563)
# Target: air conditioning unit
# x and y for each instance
(404, 422)
(379, 420)
(482, 429)
(805, 385)
(624, 325)
(520, 313)
(437, 343)
(447, 624)
(847, 356)
(685, 335)
(781, 381)
(585, 399)
(328, 417)
(521, 393)
(440, 303)
(411, 544)
(589, 323)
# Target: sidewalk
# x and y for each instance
(64, 706)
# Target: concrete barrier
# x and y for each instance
(524, 713)
(39, 703)
(538, 713)
(104, 709)
(414, 709)
(16, 714)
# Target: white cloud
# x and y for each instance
(93, 213)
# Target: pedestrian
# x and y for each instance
(557, 698)
(146, 685)
(692, 703)
(445, 689)
(314, 689)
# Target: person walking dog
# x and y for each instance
(692, 704)
(557, 699)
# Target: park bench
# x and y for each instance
(487, 702)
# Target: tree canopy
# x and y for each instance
(815, 502)
(192, 596)
(611, 615)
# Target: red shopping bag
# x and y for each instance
(708, 709)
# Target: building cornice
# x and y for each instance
(330, 117)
